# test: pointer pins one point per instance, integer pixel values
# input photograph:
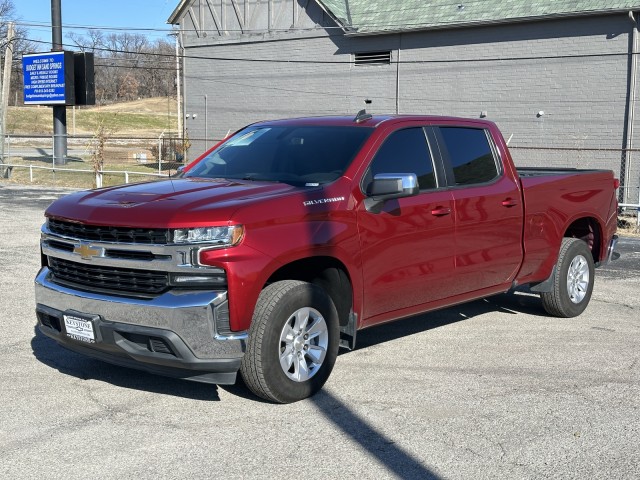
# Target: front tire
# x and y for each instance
(572, 282)
(293, 342)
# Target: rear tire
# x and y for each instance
(293, 342)
(572, 282)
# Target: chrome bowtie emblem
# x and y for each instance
(87, 252)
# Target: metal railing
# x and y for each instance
(108, 161)
(161, 155)
(99, 173)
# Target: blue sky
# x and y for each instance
(133, 14)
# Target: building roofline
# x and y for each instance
(177, 12)
(501, 21)
(350, 30)
(340, 22)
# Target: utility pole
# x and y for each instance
(180, 117)
(5, 83)
(59, 111)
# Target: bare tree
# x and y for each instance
(97, 146)
(129, 65)
(7, 13)
(21, 45)
(91, 42)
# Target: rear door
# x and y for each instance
(488, 209)
(408, 247)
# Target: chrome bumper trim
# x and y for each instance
(190, 315)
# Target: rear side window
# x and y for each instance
(405, 151)
(470, 154)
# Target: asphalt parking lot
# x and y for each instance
(493, 389)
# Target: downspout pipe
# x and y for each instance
(398, 75)
(631, 107)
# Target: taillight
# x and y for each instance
(616, 183)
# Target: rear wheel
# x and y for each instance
(293, 342)
(573, 280)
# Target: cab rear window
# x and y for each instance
(470, 154)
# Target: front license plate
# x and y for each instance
(79, 329)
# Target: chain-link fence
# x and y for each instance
(92, 160)
(109, 160)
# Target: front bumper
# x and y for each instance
(179, 333)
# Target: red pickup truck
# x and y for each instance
(276, 246)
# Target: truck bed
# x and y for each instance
(554, 197)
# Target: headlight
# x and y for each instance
(218, 236)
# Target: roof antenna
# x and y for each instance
(362, 115)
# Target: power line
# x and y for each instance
(317, 93)
(66, 26)
(439, 99)
(348, 62)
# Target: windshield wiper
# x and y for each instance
(251, 177)
(290, 179)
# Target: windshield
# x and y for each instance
(307, 155)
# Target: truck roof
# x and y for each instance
(368, 121)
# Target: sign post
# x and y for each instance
(59, 111)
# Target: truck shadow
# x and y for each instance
(381, 447)
(520, 301)
(401, 463)
(70, 363)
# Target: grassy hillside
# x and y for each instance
(147, 117)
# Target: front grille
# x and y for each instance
(96, 233)
(134, 255)
(98, 278)
(66, 247)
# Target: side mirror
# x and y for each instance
(387, 186)
(179, 171)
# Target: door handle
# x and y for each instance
(509, 202)
(440, 211)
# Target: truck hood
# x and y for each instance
(165, 204)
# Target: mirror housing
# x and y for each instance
(387, 186)
(179, 172)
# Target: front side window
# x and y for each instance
(471, 155)
(405, 151)
(299, 155)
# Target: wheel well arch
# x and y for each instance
(589, 230)
(327, 272)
